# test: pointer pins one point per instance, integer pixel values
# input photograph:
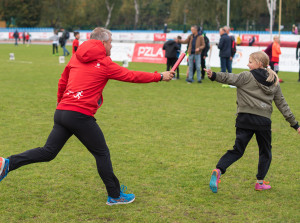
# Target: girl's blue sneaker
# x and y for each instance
(123, 199)
(4, 164)
(215, 180)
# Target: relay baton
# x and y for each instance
(178, 62)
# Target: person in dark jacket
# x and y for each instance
(251, 41)
(298, 57)
(204, 55)
(63, 42)
(225, 51)
(16, 36)
(268, 51)
(171, 49)
(24, 37)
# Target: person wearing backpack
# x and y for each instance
(204, 55)
(63, 41)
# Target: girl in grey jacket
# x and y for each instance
(256, 90)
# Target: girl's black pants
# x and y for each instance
(243, 137)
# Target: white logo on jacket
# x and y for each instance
(98, 65)
(75, 95)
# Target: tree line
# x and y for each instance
(147, 14)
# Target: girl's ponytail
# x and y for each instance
(262, 58)
(272, 76)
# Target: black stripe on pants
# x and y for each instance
(85, 128)
(243, 136)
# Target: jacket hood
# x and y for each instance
(261, 76)
(91, 50)
(170, 42)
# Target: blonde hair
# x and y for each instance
(262, 58)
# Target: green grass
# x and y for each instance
(164, 138)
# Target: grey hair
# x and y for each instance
(100, 34)
(227, 28)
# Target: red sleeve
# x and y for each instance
(62, 83)
(75, 44)
(116, 72)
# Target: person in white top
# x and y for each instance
(54, 38)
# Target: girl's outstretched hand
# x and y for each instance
(298, 130)
(209, 72)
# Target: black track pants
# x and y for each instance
(85, 128)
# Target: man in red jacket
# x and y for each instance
(79, 97)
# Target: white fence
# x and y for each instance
(126, 51)
(150, 37)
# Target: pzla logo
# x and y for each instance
(149, 51)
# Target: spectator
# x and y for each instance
(251, 41)
(298, 57)
(63, 41)
(54, 39)
(171, 47)
(275, 55)
(75, 42)
(16, 36)
(268, 51)
(238, 40)
(24, 37)
(28, 39)
(232, 44)
(225, 51)
(165, 28)
(178, 53)
(204, 55)
(196, 45)
(295, 29)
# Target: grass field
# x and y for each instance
(164, 139)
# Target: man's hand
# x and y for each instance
(197, 50)
(168, 75)
(230, 58)
(204, 57)
(298, 130)
(209, 72)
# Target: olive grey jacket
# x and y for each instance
(255, 94)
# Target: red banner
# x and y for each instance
(88, 36)
(246, 37)
(149, 53)
(160, 36)
(11, 35)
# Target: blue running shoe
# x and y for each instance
(123, 199)
(4, 164)
(215, 180)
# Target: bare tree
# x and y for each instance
(109, 9)
(137, 13)
(272, 9)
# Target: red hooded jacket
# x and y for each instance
(84, 78)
